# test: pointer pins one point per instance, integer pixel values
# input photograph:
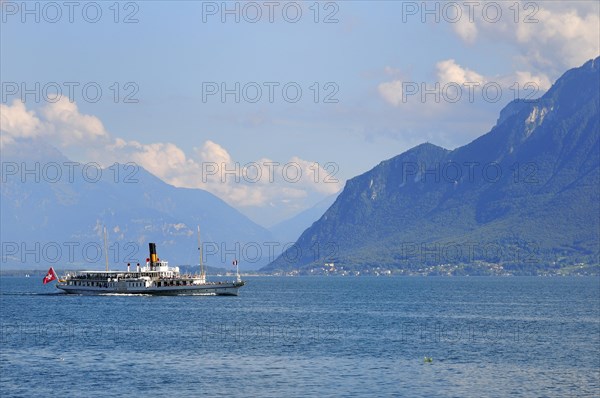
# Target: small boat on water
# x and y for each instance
(155, 278)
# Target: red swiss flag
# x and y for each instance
(50, 276)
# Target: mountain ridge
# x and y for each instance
(536, 166)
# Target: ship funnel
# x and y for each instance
(153, 257)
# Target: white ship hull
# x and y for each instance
(218, 289)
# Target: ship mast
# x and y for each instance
(105, 250)
(202, 275)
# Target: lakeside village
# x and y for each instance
(475, 269)
(449, 270)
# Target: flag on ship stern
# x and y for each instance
(50, 276)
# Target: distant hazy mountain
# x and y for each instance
(136, 207)
(288, 231)
(526, 196)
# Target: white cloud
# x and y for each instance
(541, 81)
(60, 122)
(17, 122)
(449, 71)
(466, 30)
(161, 159)
(243, 185)
(550, 37)
(213, 152)
(291, 186)
(391, 91)
(65, 121)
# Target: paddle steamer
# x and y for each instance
(156, 278)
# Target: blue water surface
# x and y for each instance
(308, 336)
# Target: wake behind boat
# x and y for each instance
(156, 278)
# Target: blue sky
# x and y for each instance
(367, 57)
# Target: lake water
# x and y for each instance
(308, 336)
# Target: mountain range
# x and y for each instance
(42, 209)
(523, 198)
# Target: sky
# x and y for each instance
(272, 106)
